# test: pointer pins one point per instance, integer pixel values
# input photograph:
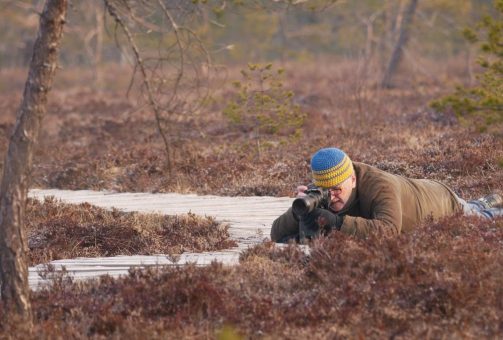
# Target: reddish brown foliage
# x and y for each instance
(442, 280)
(104, 141)
(56, 231)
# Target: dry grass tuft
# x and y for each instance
(57, 230)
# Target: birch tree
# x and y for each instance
(401, 42)
(18, 162)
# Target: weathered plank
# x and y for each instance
(249, 220)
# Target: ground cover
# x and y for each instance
(442, 280)
(103, 140)
(60, 231)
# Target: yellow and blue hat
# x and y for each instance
(330, 167)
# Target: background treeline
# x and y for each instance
(236, 31)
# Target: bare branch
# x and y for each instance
(176, 73)
(146, 80)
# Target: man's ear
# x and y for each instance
(353, 181)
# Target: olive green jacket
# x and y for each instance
(383, 203)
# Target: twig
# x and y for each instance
(146, 80)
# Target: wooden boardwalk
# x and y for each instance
(250, 220)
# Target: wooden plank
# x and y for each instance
(249, 220)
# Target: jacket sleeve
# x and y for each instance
(385, 216)
(284, 226)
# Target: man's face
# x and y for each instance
(339, 195)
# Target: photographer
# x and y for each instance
(358, 199)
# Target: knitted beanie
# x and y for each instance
(330, 167)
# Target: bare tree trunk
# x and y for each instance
(396, 56)
(469, 64)
(282, 38)
(18, 161)
(100, 24)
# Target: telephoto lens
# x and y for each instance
(315, 198)
(304, 205)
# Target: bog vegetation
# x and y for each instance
(444, 279)
(61, 231)
(311, 79)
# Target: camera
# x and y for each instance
(315, 198)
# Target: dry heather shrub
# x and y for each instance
(442, 273)
(289, 254)
(56, 230)
(119, 147)
(442, 280)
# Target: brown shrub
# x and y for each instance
(57, 230)
(442, 280)
(105, 141)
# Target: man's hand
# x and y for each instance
(300, 192)
(318, 222)
(327, 220)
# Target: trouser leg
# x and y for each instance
(494, 212)
(476, 208)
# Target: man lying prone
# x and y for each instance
(358, 199)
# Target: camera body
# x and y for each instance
(315, 198)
